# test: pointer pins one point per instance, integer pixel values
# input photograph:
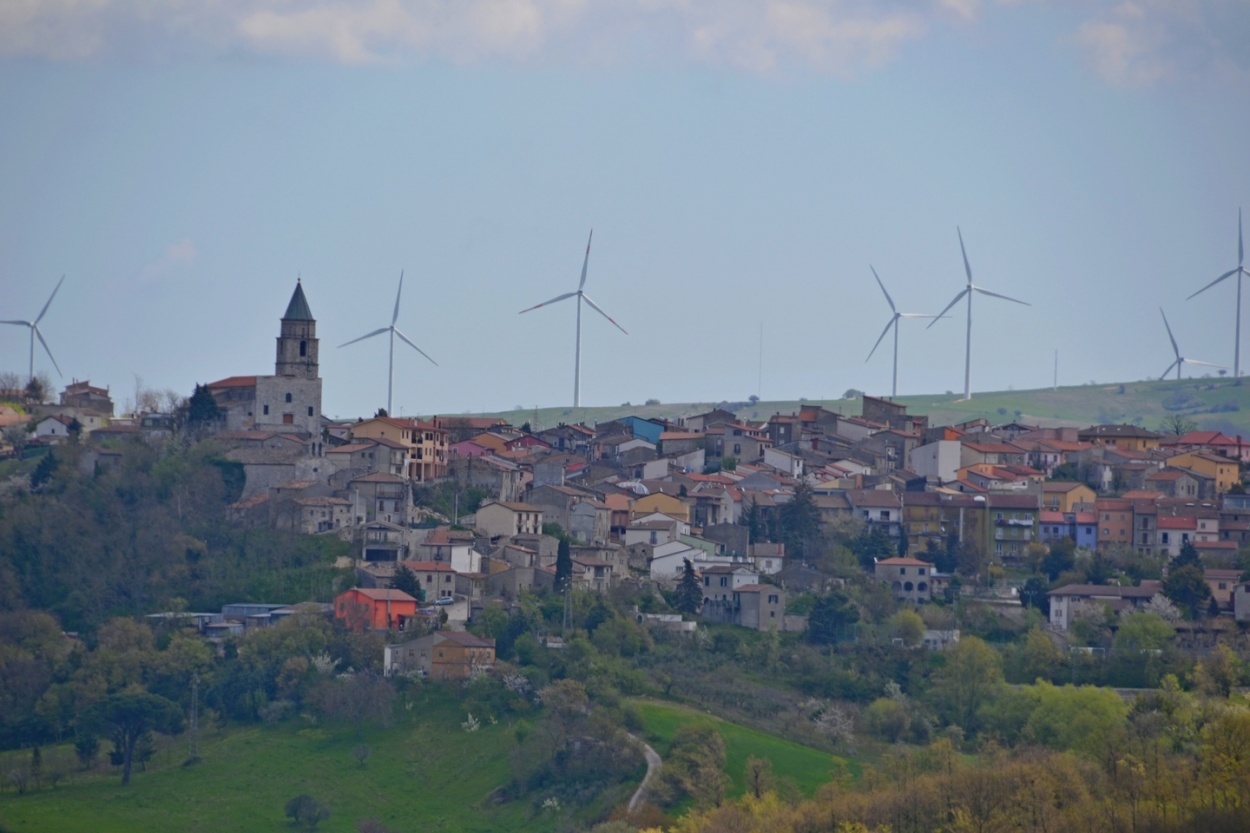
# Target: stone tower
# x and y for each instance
(297, 343)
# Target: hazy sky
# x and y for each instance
(741, 161)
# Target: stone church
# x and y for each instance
(288, 401)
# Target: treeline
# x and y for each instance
(1163, 771)
(146, 533)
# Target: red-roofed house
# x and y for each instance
(364, 608)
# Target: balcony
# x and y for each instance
(1013, 522)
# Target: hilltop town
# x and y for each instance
(465, 548)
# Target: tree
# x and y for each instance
(43, 472)
(800, 522)
(202, 410)
(306, 811)
(972, 677)
(1141, 631)
(907, 626)
(758, 775)
(564, 567)
(406, 580)
(361, 753)
(1034, 593)
(1187, 587)
(1177, 425)
(132, 715)
(688, 597)
(1188, 556)
(830, 617)
(1060, 558)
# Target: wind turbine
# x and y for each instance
(581, 296)
(1239, 271)
(893, 322)
(967, 291)
(34, 332)
(1180, 360)
(394, 331)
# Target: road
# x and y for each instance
(653, 768)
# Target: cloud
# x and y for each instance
(1141, 42)
(1128, 42)
(177, 254)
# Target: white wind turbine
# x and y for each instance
(1239, 271)
(394, 331)
(581, 296)
(893, 322)
(967, 291)
(1180, 360)
(36, 334)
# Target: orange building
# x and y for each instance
(367, 608)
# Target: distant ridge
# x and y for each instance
(1215, 403)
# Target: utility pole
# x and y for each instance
(193, 750)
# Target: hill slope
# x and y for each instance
(1215, 404)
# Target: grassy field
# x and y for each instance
(1205, 401)
(808, 768)
(425, 773)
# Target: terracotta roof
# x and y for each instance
(382, 594)
(904, 562)
(234, 382)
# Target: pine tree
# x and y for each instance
(688, 597)
(564, 567)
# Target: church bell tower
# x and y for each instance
(297, 343)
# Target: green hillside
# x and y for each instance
(1218, 404)
(424, 773)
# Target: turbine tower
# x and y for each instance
(893, 322)
(1180, 360)
(967, 291)
(36, 334)
(1239, 271)
(394, 331)
(581, 296)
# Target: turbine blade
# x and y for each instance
(1004, 297)
(552, 301)
(880, 338)
(599, 310)
(23, 323)
(398, 292)
(1241, 249)
(942, 314)
(1171, 367)
(967, 268)
(888, 299)
(405, 339)
(586, 262)
(39, 336)
(1175, 349)
(916, 315)
(377, 332)
(1227, 274)
(49, 303)
(1204, 364)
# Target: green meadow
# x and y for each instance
(425, 772)
(808, 768)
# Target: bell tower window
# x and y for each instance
(303, 348)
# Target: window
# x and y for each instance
(902, 571)
(266, 411)
(288, 397)
(303, 348)
(773, 599)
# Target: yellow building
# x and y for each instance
(1062, 496)
(426, 444)
(659, 502)
(1128, 437)
(1225, 471)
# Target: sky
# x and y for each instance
(743, 164)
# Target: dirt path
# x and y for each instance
(653, 767)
